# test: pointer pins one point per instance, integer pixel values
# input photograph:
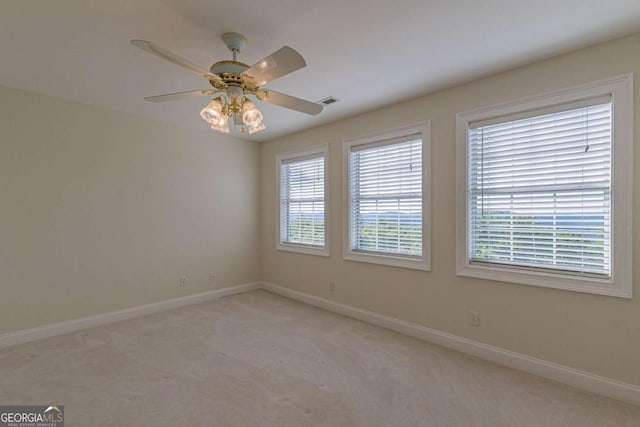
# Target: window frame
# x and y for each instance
(420, 263)
(292, 156)
(620, 283)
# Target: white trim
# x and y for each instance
(66, 327)
(322, 150)
(620, 284)
(304, 249)
(580, 379)
(420, 263)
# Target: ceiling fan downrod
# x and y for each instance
(235, 42)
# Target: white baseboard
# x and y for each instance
(583, 380)
(32, 334)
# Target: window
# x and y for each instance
(387, 198)
(546, 190)
(303, 212)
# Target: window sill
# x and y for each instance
(394, 261)
(546, 279)
(303, 249)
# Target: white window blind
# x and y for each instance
(302, 201)
(386, 197)
(539, 189)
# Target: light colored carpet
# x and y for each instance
(258, 359)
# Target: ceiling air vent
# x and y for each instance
(328, 100)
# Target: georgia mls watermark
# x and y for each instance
(32, 416)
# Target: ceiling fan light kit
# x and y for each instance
(233, 82)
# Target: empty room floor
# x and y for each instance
(261, 359)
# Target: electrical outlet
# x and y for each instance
(332, 285)
(473, 318)
(212, 276)
(183, 281)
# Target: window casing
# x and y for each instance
(545, 188)
(387, 198)
(302, 201)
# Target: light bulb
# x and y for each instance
(212, 113)
(251, 116)
(257, 128)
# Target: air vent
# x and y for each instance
(328, 100)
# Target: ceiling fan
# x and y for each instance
(234, 82)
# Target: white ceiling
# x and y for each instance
(367, 53)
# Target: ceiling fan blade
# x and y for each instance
(180, 95)
(288, 101)
(172, 57)
(283, 61)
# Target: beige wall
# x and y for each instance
(594, 333)
(101, 210)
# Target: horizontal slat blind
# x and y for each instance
(539, 190)
(302, 201)
(386, 197)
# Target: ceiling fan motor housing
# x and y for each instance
(230, 71)
(228, 67)
(231, 74)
